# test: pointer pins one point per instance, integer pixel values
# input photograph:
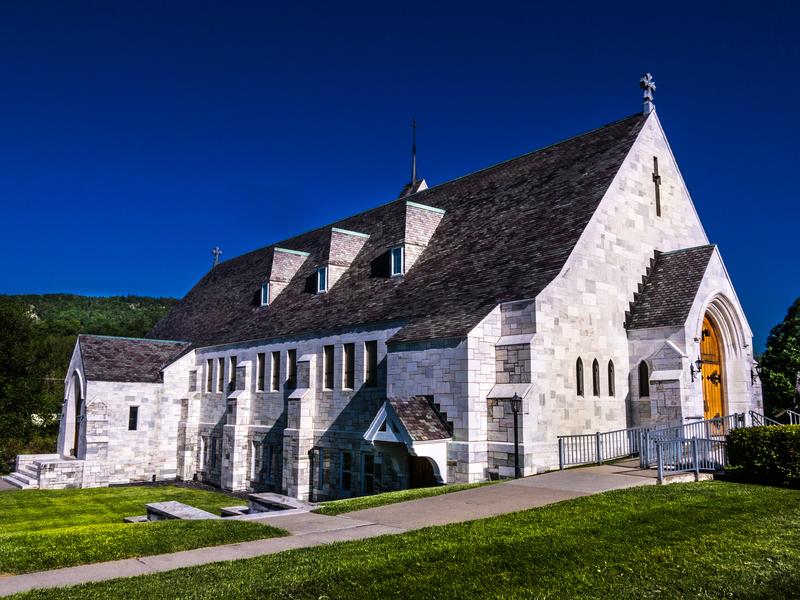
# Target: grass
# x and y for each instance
(48, 529)
(337, 507)
(699, 540)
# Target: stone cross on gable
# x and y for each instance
(216, 252)
(649, 86)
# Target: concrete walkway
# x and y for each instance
(309, 529)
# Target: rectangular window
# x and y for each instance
(371, 363)
(322, 280)
(209, 375)
(347, 471)
(327, 363)
(264, 294)
(232, 374)
(276, 371)
(291, 375)
(370, 474)
(324, 468)
(349, 366)
(398, 260)
(212, 459)
(192, 381)
(266, 462)
(133, 418)
(220, 374)
(261, 368)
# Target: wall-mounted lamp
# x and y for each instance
(695, 368)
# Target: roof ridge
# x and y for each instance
(134, 339)
(442, 184)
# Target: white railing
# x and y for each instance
(758, 420)
(794, 417)
(599, 447)
(709, 429)
(689, 456)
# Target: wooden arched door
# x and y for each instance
(711, 354)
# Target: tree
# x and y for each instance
(21, 377)
(780, 362)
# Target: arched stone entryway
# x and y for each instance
(713, 369)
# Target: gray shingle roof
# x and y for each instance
(419, 419)
(506, 233)
(126, 359)
(669, 291)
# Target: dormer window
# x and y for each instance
(322, 280)
(398, 261)
(264, 294)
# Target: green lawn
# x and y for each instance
(698, 540)
(337, 507)
(47, 529)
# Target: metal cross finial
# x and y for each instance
(216, 252)
(414, 128)
(649, 86)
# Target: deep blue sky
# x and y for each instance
(138, 135)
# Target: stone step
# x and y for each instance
(16, 482)
(29, 472)
(24, 478)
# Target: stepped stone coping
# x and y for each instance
(232, 511)
(136, 519)
(270, 502)
(160, 511)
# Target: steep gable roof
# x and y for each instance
(669, 292)
(419, 419)
(506, 233)
(108, 358)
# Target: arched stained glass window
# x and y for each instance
(579, 376)
(595, 377)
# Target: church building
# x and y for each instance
(383, 351)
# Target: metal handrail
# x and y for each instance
(598, 447)
(689, 456)
(794, 417)
(708, 429)
(759, 420)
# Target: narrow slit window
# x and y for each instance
(595, 378)
(579, 376)
(327, 359)
(398, 260)
(657, 184)
(349, 366)
(291, 373)
(371, 363)
(133, 418)
(612, 386)
(276, 371)
(346, 479)
(220, 374)
(261, 367)
(644, 380)
(209, 375)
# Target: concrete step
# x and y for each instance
(29, 472)
(16, 482)
(24, 478)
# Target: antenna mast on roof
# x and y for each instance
(414, 128)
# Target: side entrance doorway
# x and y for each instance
(711, 355)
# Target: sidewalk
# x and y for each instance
(310, 529)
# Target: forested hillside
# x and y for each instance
(37, 336)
